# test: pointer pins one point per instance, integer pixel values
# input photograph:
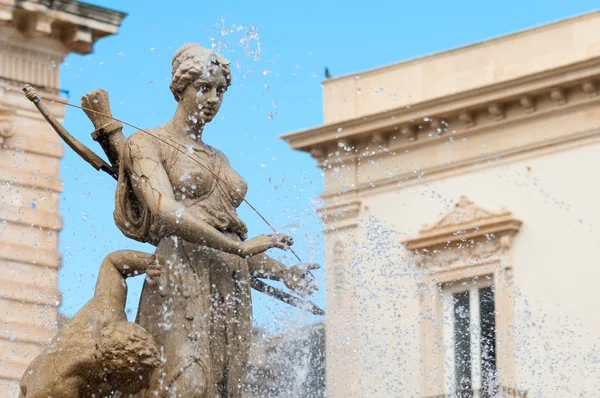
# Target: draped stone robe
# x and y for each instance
(201, 311)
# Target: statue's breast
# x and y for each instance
(196, 177)
(238, 184)
(190, 180)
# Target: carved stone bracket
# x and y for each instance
(8, 125)
(559, 95)
(496, 110)
(528, 102)
(590, 87)
(409, 131)
(467, 118)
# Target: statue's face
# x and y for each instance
(203, 97)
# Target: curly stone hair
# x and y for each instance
(192, 61)
(128, 355)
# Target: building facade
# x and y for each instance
(460, 227)
(35, 36)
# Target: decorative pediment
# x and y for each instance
(464, 211)
(465, 221)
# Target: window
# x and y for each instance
(467, 347)
(470, 341)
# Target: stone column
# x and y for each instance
(505, 317)
(35, 37)
(342, 329)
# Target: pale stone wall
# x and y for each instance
(554, 268)
(30, 184)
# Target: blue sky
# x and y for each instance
(279, 51)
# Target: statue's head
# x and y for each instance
(128, 355)
(200, 78)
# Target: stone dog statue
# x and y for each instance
(98, 351)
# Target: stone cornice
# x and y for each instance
(86, 11)
(475, 108)
(76, 25)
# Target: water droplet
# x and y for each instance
(179, 212)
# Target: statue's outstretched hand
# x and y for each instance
(262, 243)
(299, 279)
(153, 271)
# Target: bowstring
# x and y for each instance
(181, 151)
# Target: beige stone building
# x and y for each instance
(35, 36)
(461, 228)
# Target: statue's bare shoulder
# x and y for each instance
(221, 155)
(143, 144)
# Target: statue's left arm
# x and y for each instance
(297, 278)
(122, 264)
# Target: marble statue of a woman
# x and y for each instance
(181, 195)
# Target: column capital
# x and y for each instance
(74, 25)
(336, 216)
